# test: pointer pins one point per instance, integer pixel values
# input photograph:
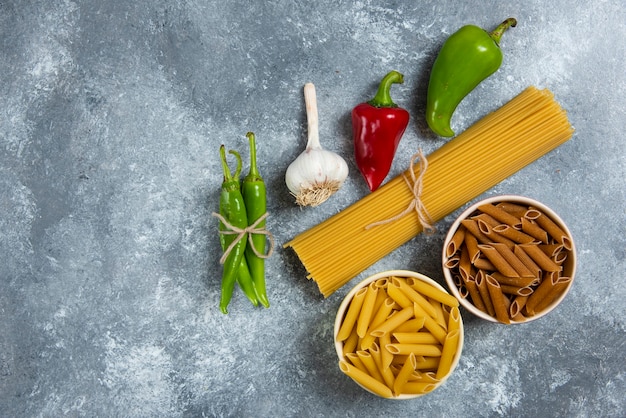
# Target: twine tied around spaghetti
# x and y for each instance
(252, 229)
(416, 204)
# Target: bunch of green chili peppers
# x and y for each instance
(243, 204)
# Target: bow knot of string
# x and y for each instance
(416, 204)
(241, 233)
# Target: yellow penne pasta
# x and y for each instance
(454, 319)
(367, 310)
(415, 297)
(352, 315)
(419, 387)
(427, 350)
(392, 323)
(369, 363)
(412, 325)
(403, 375)
(432, 292)
(415, 338)
(394, 292)
(350, 343)
(365, 380)
(427, 363)
(429, 323)
(447, 353)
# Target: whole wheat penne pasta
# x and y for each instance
(540, 257)
(551, 249)
(559, 287)
(488, 219)
(560, 258)
(501, 215)
(429, 323)
(513, 234)
(498, 299)
(531, 228)
(554, 230)
(545, 287)
(456, 241)
(481, 283)
(417, 388)
(513, 208)
(465, 264)
(474, 294)
(515, 290)
(463, 292)
(471, 243)
(427, 350)
(513, 260)
(393, 321)
(412, 325)
(415, 338)
(416, 297)
(532, 214)
(352, 315)
(517, 305)
(528, 262)
(365, 380)
(497, 260)
(367, 310)
(403, 375)
(482, 263)
(494, 237)
(432, 292)
(471, 227)
(447, 353)
(369, 363)
(515, 281)
(453, 261)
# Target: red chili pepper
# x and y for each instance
(377, 127)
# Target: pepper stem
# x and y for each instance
(497, 32)
(383, 97)
(254, 171)
(227, 174)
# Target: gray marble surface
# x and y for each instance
(112, 114)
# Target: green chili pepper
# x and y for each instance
(244, 279)
(254, 196)
(233, 210)
(468, 56)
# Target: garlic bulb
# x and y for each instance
(316, 174)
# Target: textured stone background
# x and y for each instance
(112, 114)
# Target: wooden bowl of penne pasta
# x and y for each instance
(398, 334)
(509, 259)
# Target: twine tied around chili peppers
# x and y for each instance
(252, 229)
(416, 204)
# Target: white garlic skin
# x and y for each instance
(315, 166)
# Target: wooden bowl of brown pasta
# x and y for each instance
(398, 334)
(509, 259)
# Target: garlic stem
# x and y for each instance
(310, 101)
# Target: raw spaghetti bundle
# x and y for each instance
(503, 142)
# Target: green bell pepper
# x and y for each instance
(468, 56)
